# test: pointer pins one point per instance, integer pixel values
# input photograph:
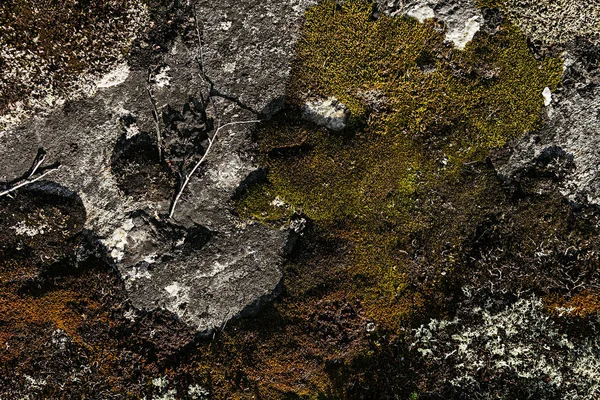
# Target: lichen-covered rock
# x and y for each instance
(329, 113)
(204, 277)
(573, 130)
(51, 52)
(569, 137)
(461, 17)
(353, 136)
(249, 48)
(516, 351)
(106, 145)
(555, 21)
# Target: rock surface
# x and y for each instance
(329, 113)
(391, 218)
(556, 21)
(461, 17)
(50, 54)
(247, 50)
(567, 144)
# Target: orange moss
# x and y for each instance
(583, 305)
(53, 309)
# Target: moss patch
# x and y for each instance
(406, 189)
(460, 102)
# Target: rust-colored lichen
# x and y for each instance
(585, 304)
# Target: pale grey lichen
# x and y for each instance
(461, 17)
(329, 113)
(555, 21)
(74, 69)
(167, 392)
(519, 341)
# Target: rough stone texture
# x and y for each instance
(329, 113)
(202, 276)
(567, 144)
(249, 47)
(247, 51)
(51, 53)
(555, 21)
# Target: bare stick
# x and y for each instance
(156, 124)
(37, 163)
(210, 145)
(28, 181)
(218, 126)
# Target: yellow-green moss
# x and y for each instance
(462, 102)
(490, 3)
(263, 204)
(427, 112)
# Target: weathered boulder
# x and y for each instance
(204, 264)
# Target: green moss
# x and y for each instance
(490, 3)
(461, 102)
(407, 176)
(263, 204)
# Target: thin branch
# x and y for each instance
(28, 181)
(156, 124)
(39, 159)
(218, 126)
(210, 145)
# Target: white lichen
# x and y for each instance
(521, 341)
(329, 113)
(421, 12)
(555, 21)
(118, 241)
(162, 79)
(547, 95)
(114, 77)
(24, 229)
(461, 17)
(33, 72)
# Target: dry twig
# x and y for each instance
(218, 126)
(39, 159)
(211, 141)
(28, 181)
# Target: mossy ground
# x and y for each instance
(402, 210)
(406, 195)
(410, 170)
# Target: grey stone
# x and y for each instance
(202, 276)
(329, 113)
(248, 49)
(461, 17)
(569, 140)
(557, 21)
